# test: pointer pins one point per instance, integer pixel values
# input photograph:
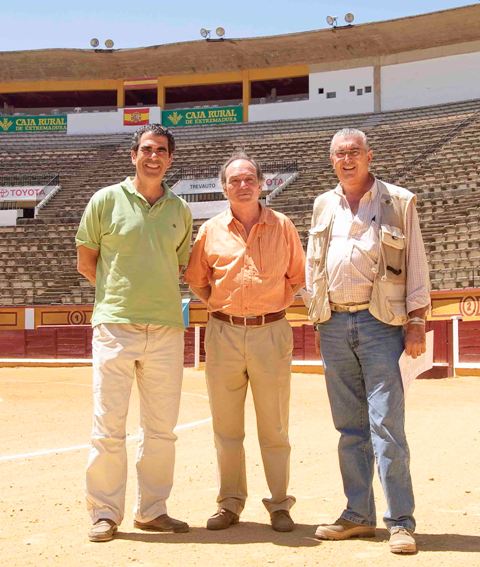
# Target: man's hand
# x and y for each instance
(415, 340)
(203, 293)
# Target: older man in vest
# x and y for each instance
(368, 291)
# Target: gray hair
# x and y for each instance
(349, 133)
(236, 156)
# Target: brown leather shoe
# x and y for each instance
(282, 521)
(344, 529)
(102, 530)
(163, 523)
(222, 520)
(402, 540)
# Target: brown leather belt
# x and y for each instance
(247, 321)
(349, 308)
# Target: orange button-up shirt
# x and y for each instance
(250, 275)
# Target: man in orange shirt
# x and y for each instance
(246, 265)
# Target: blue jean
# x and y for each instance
(366, 396)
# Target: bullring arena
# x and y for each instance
(46, 426)
(64, 133)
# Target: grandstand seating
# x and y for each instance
(432, 151)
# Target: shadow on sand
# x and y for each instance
(439, 542)
(302, 536)
(242, 533)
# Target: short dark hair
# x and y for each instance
(156, 129)
(234, 157)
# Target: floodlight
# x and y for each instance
(331, 20)
(94, 42)
(349, 17)
(220, 31)
(109, 43)
(205, 33)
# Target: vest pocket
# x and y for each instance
(393, 236)
(319, 307)
(388, 302)
(393, 251)
(318, 235)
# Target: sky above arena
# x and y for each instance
(31, 24)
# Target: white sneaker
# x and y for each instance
(402, 540)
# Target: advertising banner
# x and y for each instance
(26, 193)
(202, 116)
(213, 185)
(57, 123)
(136, 116)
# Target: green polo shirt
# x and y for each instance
(141, 247)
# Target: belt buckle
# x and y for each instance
(359, 307)
(255, 319)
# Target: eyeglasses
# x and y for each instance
(342, 154)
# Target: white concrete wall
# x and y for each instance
(339, 82)
(318, 105)
(104, 122)
(280, 111)
(433, 81)
(420, 83)
(8, 217)
(207, 209)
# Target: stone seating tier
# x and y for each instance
(432, 151)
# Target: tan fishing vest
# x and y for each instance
(388, 299)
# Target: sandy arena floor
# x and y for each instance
(46, 417)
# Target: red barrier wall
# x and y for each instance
(74, 341)
(469, 340)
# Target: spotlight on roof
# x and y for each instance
(94, 42)
(109, 43)
(220, 31)
(332, 21)
(205, 33)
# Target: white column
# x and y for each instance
(197, 347)
(29, 318)
(455, 341)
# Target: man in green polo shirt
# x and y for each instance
(132, 241)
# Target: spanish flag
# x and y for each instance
(136, 116)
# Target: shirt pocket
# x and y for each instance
(271, 254)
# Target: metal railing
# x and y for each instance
(209, 171)
(26, 180)
(202, 197)
(435, 147)
(55, 184)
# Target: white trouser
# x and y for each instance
(154, 355)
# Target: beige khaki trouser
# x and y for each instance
(235, 356)
(154, 355)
